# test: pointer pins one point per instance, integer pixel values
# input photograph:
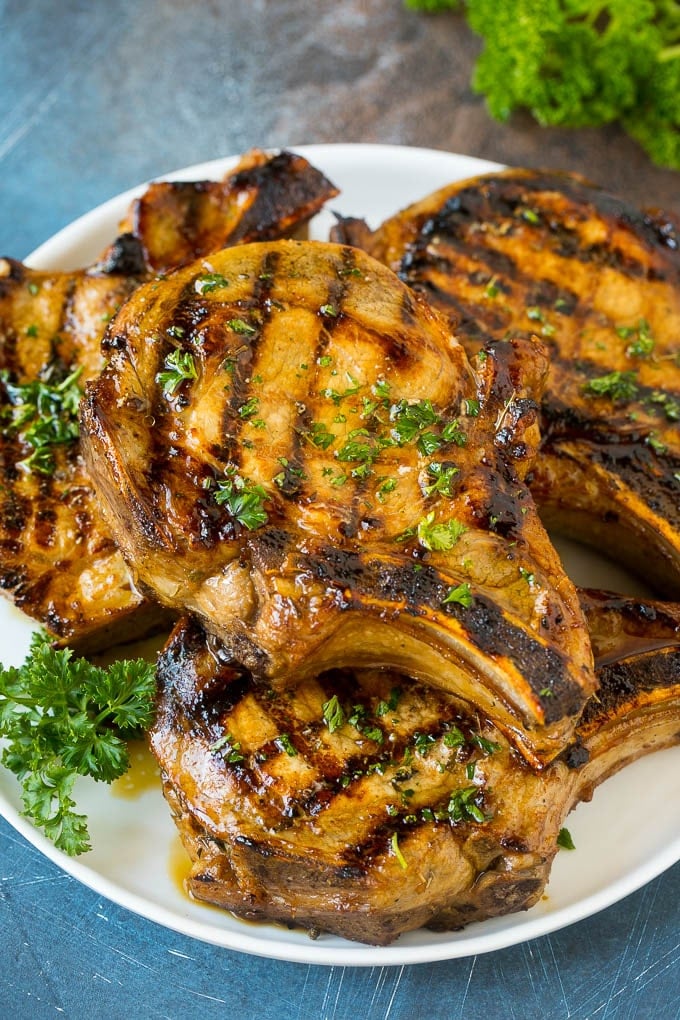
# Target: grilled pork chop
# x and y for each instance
(264, 197)
(58, 561)
(600, 282)
(366, 805)
(290, 444)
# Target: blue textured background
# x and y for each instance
(94, 99)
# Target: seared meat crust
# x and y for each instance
(264, 197)
(365, 805)
(600, 283)
(58, 561)
(331, 482)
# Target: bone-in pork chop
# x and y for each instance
(366, 805)
(599, 281)
(58, 561)
(289, 443)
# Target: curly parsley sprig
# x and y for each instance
(62, 717)
(581, 64)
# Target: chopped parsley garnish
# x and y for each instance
(453, 737)
(319, 436)
(359, 445)
(363, 447)
(640, 337)
(229, 749)
(63, 717)
(208, 282)
(383, 707)
(669, 405)
(439, 536)
(428, 443)
(656, 444)
(333, 714)
(284, 742)
(443, 475)
(44, 415)
(241, 326)
(463, 806)
(436, 536)
(484, 745)
(386, 485)
(250, 408)
(330, 310)
(530, 216)
(459, 594)
(412, 419)
(564, 840)
(394, 843)
(620, 386)
(453, 433)
(243, 499)
(179, 367)
(336, 395)
(423, 743)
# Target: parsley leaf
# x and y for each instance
(620, 386)
(439, 536)
(564, 840)
(43, 414)
(179, 366)
(333, 714)
(578, 64)
(243, 499)
(460, 594)
(62, 717)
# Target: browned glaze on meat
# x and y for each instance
(330, 396)
(58, 561)
(366, 805)
(264, 197)
(600, 282)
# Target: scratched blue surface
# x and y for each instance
(96, 97)
(68, 950)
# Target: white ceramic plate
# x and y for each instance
(629, 833)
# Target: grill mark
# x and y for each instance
(494, 200)
(66, 317)
(627, 454)
(366, 583)
(499, 198)
(335, 772)
(45, 527)
(232, 423)
(657, 669)
(125, 258)
(286, 189)
(296, 455)
(652, 230)
(14, 274)
(476, 318)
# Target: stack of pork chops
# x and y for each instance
(329, 467)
